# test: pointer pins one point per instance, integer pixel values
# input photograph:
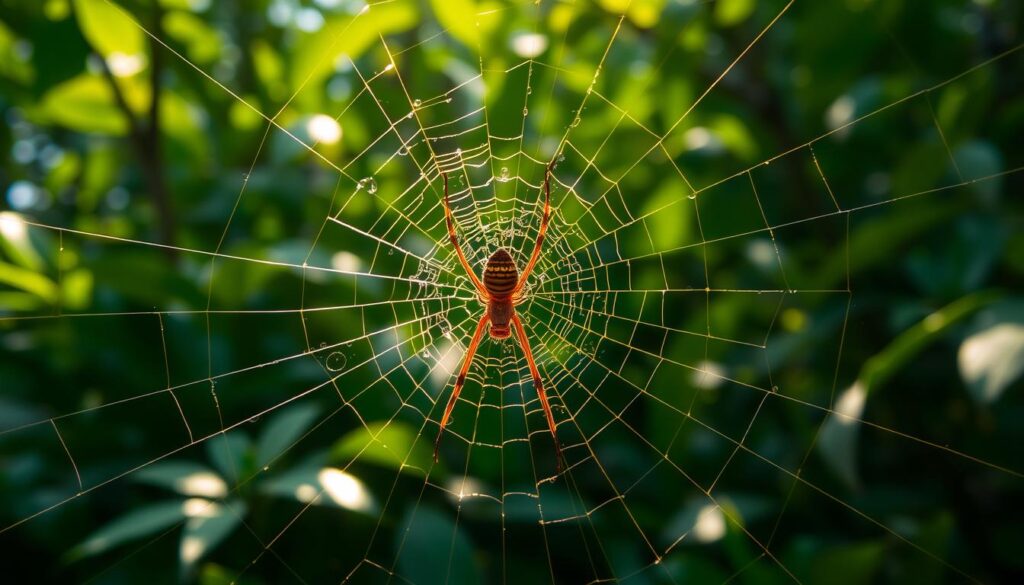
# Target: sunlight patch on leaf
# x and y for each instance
(184, 477)
(386, 444)
(838, 443)
(108, 29)
(204, 532)
(323, 486)
(992, 358)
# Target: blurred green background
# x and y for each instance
(779, 310)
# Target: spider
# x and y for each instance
(501, 290)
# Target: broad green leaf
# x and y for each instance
(838, 442)
(85, 104)
(670, 218)
(76, 287)
(16, 243)
(643, 13)
(136, 524)
(315, 56)
(204, 532)
(979, 159)
(324, 486)
(28, 281)
(202, 42)
(283, 429)
(194, 5)
(992, 357)
(185, 477)
(435, 549)
(214, 574)
(229, 452)
(64, 173)
(20, 302)
(733, 12)
(11, 65)
(458, 17)
(109, 29)
(387, 444)
(182, 121)
(735, 136)
(270, 69)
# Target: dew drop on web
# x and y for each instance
(368, 183)
(336, 361)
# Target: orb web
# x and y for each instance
(672, 312)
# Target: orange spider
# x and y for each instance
(501, 290)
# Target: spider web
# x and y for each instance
(665, 298)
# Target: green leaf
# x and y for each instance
(978, 159)
(108, 28)
(838, 441)
(670, 221)
(435, 549)
(28, 281)
(386, 444)
(315, 55)
(458, 17)
(700, 520)
(324, 486)
(12, 65)
(134, 525)
(855, 564)
(76, 289)
(204, 532)
(735, 135)
(212, 574)
(86, 104)
(181, 121)
(185, 477)
(733, 12)
(992, 356)
(284, 429)
(228, 452)
(16, 243)
(202, 42)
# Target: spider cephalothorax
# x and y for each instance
(503, 287)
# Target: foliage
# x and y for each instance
(118, 138)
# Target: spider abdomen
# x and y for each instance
(500, 274)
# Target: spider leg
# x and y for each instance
(460, 381)
(540, 235)
(539, 384)
(455, 242)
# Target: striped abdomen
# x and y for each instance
(500, 274)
